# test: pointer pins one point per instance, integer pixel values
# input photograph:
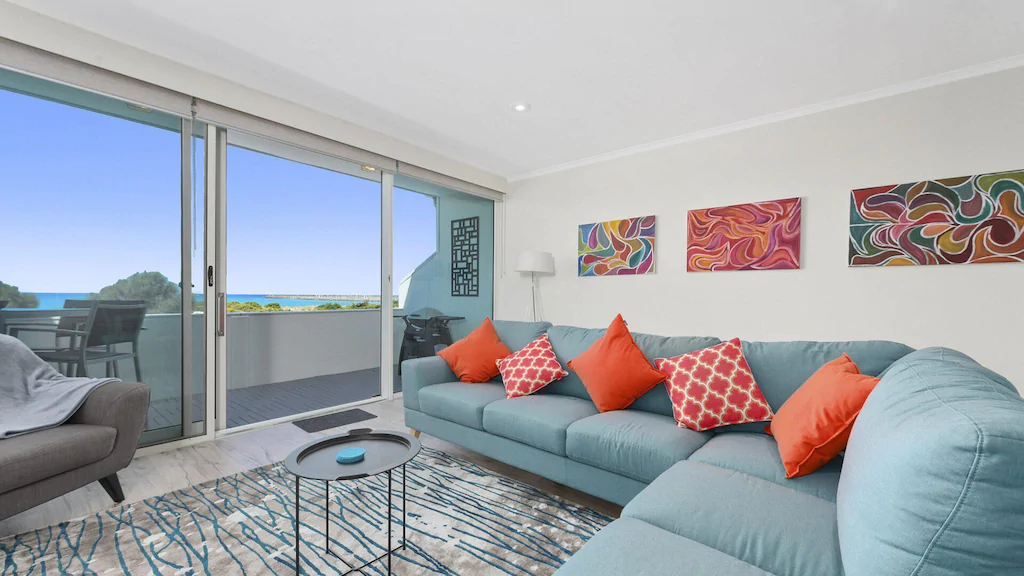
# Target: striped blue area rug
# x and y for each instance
(462, 519)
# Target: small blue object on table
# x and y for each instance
(350, 455)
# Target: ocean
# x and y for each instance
(55, 300)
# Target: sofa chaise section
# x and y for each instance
(631, 547)
(766, 525)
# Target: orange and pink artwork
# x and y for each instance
(755, 236)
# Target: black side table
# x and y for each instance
(385, 451)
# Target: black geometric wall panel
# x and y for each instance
(466, 257)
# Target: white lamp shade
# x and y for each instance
(537, 262)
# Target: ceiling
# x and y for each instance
(601, 76)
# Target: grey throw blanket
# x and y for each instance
(34, 396)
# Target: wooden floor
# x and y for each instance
(165, 472)
(279, 399)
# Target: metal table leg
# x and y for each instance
(403, 506)
(327, 524)
(389, 522)
(297, 558)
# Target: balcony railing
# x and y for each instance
(279, 363)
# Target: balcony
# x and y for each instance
(279, 363)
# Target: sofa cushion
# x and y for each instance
(614, 370)
(932, 484)
(33, 457)
(628, 546)
(758, 455)
(814, 424)
(474, 358)
(530, 369)
(516, 335)
(713, 387)
(460, 402)
(569, 342)
(539, 420)
(782, 367)
(635, 444)
(761, 523)
(653, 346)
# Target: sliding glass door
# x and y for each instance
(269, 280)
(97, 219)
(302, 289)
(443, 265)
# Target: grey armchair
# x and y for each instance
(98, 441)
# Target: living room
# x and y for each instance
(664, 288)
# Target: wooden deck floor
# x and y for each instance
(269, 401)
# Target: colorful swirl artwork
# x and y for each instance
(756, 236)
(966, 220)
(617, 247)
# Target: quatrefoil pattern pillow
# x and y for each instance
(530, 369)
(713, 387)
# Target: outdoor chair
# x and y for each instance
(109, 324)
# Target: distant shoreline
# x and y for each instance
(55, 300)
(328, 297)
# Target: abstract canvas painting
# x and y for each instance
(756, 236)
(617, 247)
(966, 220)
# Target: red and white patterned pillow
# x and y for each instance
(713, 387)
(531, 368)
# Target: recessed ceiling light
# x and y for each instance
(369, 169)
(521, 107)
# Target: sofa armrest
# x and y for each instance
(420, 372)
(119, 405)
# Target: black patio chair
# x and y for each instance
(109, 324)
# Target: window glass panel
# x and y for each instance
(92, 209)
(443, 267)
(303, 281)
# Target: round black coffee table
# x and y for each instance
(385, 451)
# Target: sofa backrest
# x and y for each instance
(516, 335)
(779, 368)
(569, 342)
(933, 478)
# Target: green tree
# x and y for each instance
(329, 306)
(272, 307)
(16, 298)
(234, 306)
(160, 294)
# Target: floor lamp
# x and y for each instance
(535, 263)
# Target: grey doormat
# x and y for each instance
(334, 420)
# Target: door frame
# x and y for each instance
(217, 139)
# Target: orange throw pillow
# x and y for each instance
(614, 370)
(474, 359)
(813, 425)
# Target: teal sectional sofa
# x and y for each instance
(932, 481)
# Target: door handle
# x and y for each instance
(222, 313)
(209, 276)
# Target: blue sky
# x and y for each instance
(89, 198)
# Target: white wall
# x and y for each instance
(969, 127)
(28, 27)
